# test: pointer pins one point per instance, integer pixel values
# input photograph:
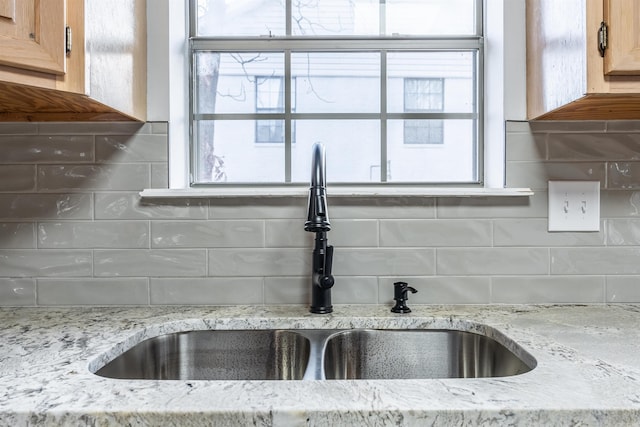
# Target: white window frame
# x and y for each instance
(504, 90)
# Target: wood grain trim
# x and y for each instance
(64, 117)
(598, 107)
(20, 102)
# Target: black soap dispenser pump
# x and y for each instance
(400, 295)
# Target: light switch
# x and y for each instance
(574, 206)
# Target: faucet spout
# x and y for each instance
(317, 215)
(318, 222)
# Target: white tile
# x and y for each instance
(435, 233)
(533, 232)
(150, 263)
(17, 292)
(492, 261)
(93, 292)
(207, 234)
(597, 261)
(623, 289)
(93, 234)
(548, 289)
(207, 291)
(259, 262)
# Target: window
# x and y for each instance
(423, 95)
(371, 79)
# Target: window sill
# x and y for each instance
(335, 191)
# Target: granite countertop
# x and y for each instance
(587, 373)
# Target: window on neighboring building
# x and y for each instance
(270, 100)
(423, 96)
(365, 77)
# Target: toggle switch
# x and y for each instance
(574, 205)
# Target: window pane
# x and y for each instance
(226, 82)
(241, 18)
(452, 160)
(269, 94)
(227, 152)
(270, 131)
(336, 82)
(352, 149)
(423, 95)
(423, 132)
(335, 17)
(430, 17)
(421, 81)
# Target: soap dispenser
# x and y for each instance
(400, 295)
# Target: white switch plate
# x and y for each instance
(574, 206)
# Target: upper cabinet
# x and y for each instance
(622, 26)
(29, 34)
(583, 59)
(72, 60)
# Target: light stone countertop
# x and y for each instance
(587, 373)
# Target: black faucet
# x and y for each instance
(318, 222)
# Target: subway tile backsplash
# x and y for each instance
(73, 230)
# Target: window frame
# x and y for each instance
(383, 45)
(504, 99)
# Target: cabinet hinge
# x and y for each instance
(67, 40)
(602, 38)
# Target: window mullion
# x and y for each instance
(383, 97)
(383, 116)
(277, 44)
(288, 127)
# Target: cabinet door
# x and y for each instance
(622, 56)
(32, 35)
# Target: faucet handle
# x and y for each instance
(400, 295)
(327, 280)
(328, 261)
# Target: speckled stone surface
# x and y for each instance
(587, 373)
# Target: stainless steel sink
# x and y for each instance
(401, 354)
(214, 355)
(317, 355)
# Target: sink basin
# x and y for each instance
(214, 355)
(402, 354)
(320, 354)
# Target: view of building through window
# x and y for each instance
(423, 95)
(270, 99)
(391, 87)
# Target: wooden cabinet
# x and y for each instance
(102, 77)
(567, 78)
(622, 57)
(29, 33)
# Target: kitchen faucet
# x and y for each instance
(318, 222)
